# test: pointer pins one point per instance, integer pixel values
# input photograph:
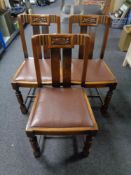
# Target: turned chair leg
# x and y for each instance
(108, 99)
(20, 100)
(87, 145)
(35, 146)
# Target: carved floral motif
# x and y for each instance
(61, 41)
(86, 20)
(39, 20)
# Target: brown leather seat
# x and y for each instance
(97, 71)
(26, 72)
(61, 108)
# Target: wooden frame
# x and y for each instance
(55, 42)
(86, 22)
(40, 24)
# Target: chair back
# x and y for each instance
(88, 24)
(61, 46)
(40, 24)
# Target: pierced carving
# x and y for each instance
(43, 20)
(58, 41)
(88, 21)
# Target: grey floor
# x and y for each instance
(111, 149)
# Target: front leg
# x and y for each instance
(20, 100)
(35, 146)
(108, 98)
(87, 144)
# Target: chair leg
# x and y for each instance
(87, 145)
(20, 100)
(35, 146)
(108, 99)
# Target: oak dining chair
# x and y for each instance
(61, 109)
(25, 74)
(99, 75)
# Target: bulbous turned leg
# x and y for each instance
(35, 146)
(87, 144)
(20, 100)
(107, 100)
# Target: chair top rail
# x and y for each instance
(61, 40)
(89, 20)
(39, 19)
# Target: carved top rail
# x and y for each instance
(62, 40)
(90, 20)
(37, 19)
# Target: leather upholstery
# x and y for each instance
(27, 72)
(97, 71)
(60, 108)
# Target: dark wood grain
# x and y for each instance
(55, 66)
(83, 29)
(46, 51)
(67, 55)
(36, 48)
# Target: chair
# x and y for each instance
(61, 109)
(99, 74)
(25, 74)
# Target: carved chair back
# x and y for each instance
(40, 24)
(88, 24)
(60, 61)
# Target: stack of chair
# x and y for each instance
(61, 106)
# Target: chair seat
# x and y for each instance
(97, 71)
(26, 72)
(61, 108)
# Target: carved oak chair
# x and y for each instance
(61, 109)
(99, 75)
(25, 74)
